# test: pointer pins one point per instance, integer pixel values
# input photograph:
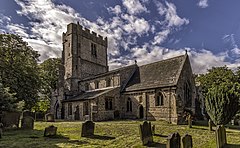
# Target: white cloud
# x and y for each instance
(115, 10)
(203, 3)
(134, 6)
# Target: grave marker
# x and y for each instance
(88, 129)
(50, 131)
(146, 133)
(27, 123)
(173, 141)
(187, 141)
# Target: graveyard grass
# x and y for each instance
(110, 134)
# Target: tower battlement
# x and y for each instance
(73, 28)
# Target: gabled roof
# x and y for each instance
(158, 74)
(90, 95)
(117, 71)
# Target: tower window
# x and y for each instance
(96, 84)
(86, 87)
(108, 82)
(93, 50)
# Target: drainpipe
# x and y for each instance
(170, 97)
(146, 112)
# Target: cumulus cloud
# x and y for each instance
(134, 6)
(203, 3)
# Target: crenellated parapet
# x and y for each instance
(73, 28)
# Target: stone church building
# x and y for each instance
(161, 90)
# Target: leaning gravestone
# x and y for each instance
(221, 139)
(1, 130)
(50, 131)
(88, 129)
(187, 141)
(49, 117)
(146, 133)
(173, 141)
(27, 123)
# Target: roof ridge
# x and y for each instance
(163, 60)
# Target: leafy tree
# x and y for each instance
(222, 102)
(19, 69)
(221, 91)
(7, 99)
(49, 73)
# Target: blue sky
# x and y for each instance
(142, 30)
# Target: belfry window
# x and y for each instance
(108, 82)
(96, 84)
(93, 50)
(129, 105)
(159, 99)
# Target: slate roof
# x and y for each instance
(122, 69)
(89, 95)
(158, 74)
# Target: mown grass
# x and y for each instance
(110, 134)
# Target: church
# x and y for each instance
(87, 90)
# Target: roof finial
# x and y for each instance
(186, 51)
(78, 22)
(135, 61)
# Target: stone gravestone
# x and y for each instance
(187, 141)
(221, 139)
(27, 123)
(88, 129)
(49, 117)
(146, 133)
(11, 119)
(173, 141)
(1, 130)
(50, 131)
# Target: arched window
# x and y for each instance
(159, 99)
(69, 108)
(129, 105)
(187, 95)
(108, 104)
(108, 82)
(86, 87)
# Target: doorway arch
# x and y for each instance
(141, 112)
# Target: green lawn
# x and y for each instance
(109, 134)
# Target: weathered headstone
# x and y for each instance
(88, 129)
(27, 123)
(49, 117)
(1, 130)
(146, 133)
(11, 119)
(50, 131)
(221, 139)
(173, 141)
(187, 141)
(210, 124)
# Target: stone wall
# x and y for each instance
(186, 76)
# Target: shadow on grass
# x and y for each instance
(156, 144)
(232, 146)
(159, 135)
(29, 138)
(100, 137)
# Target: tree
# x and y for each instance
(49, 73)
(221, 91)
(222, 102)
(19, 69)
(7, 99)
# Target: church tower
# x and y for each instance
(84, 54)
